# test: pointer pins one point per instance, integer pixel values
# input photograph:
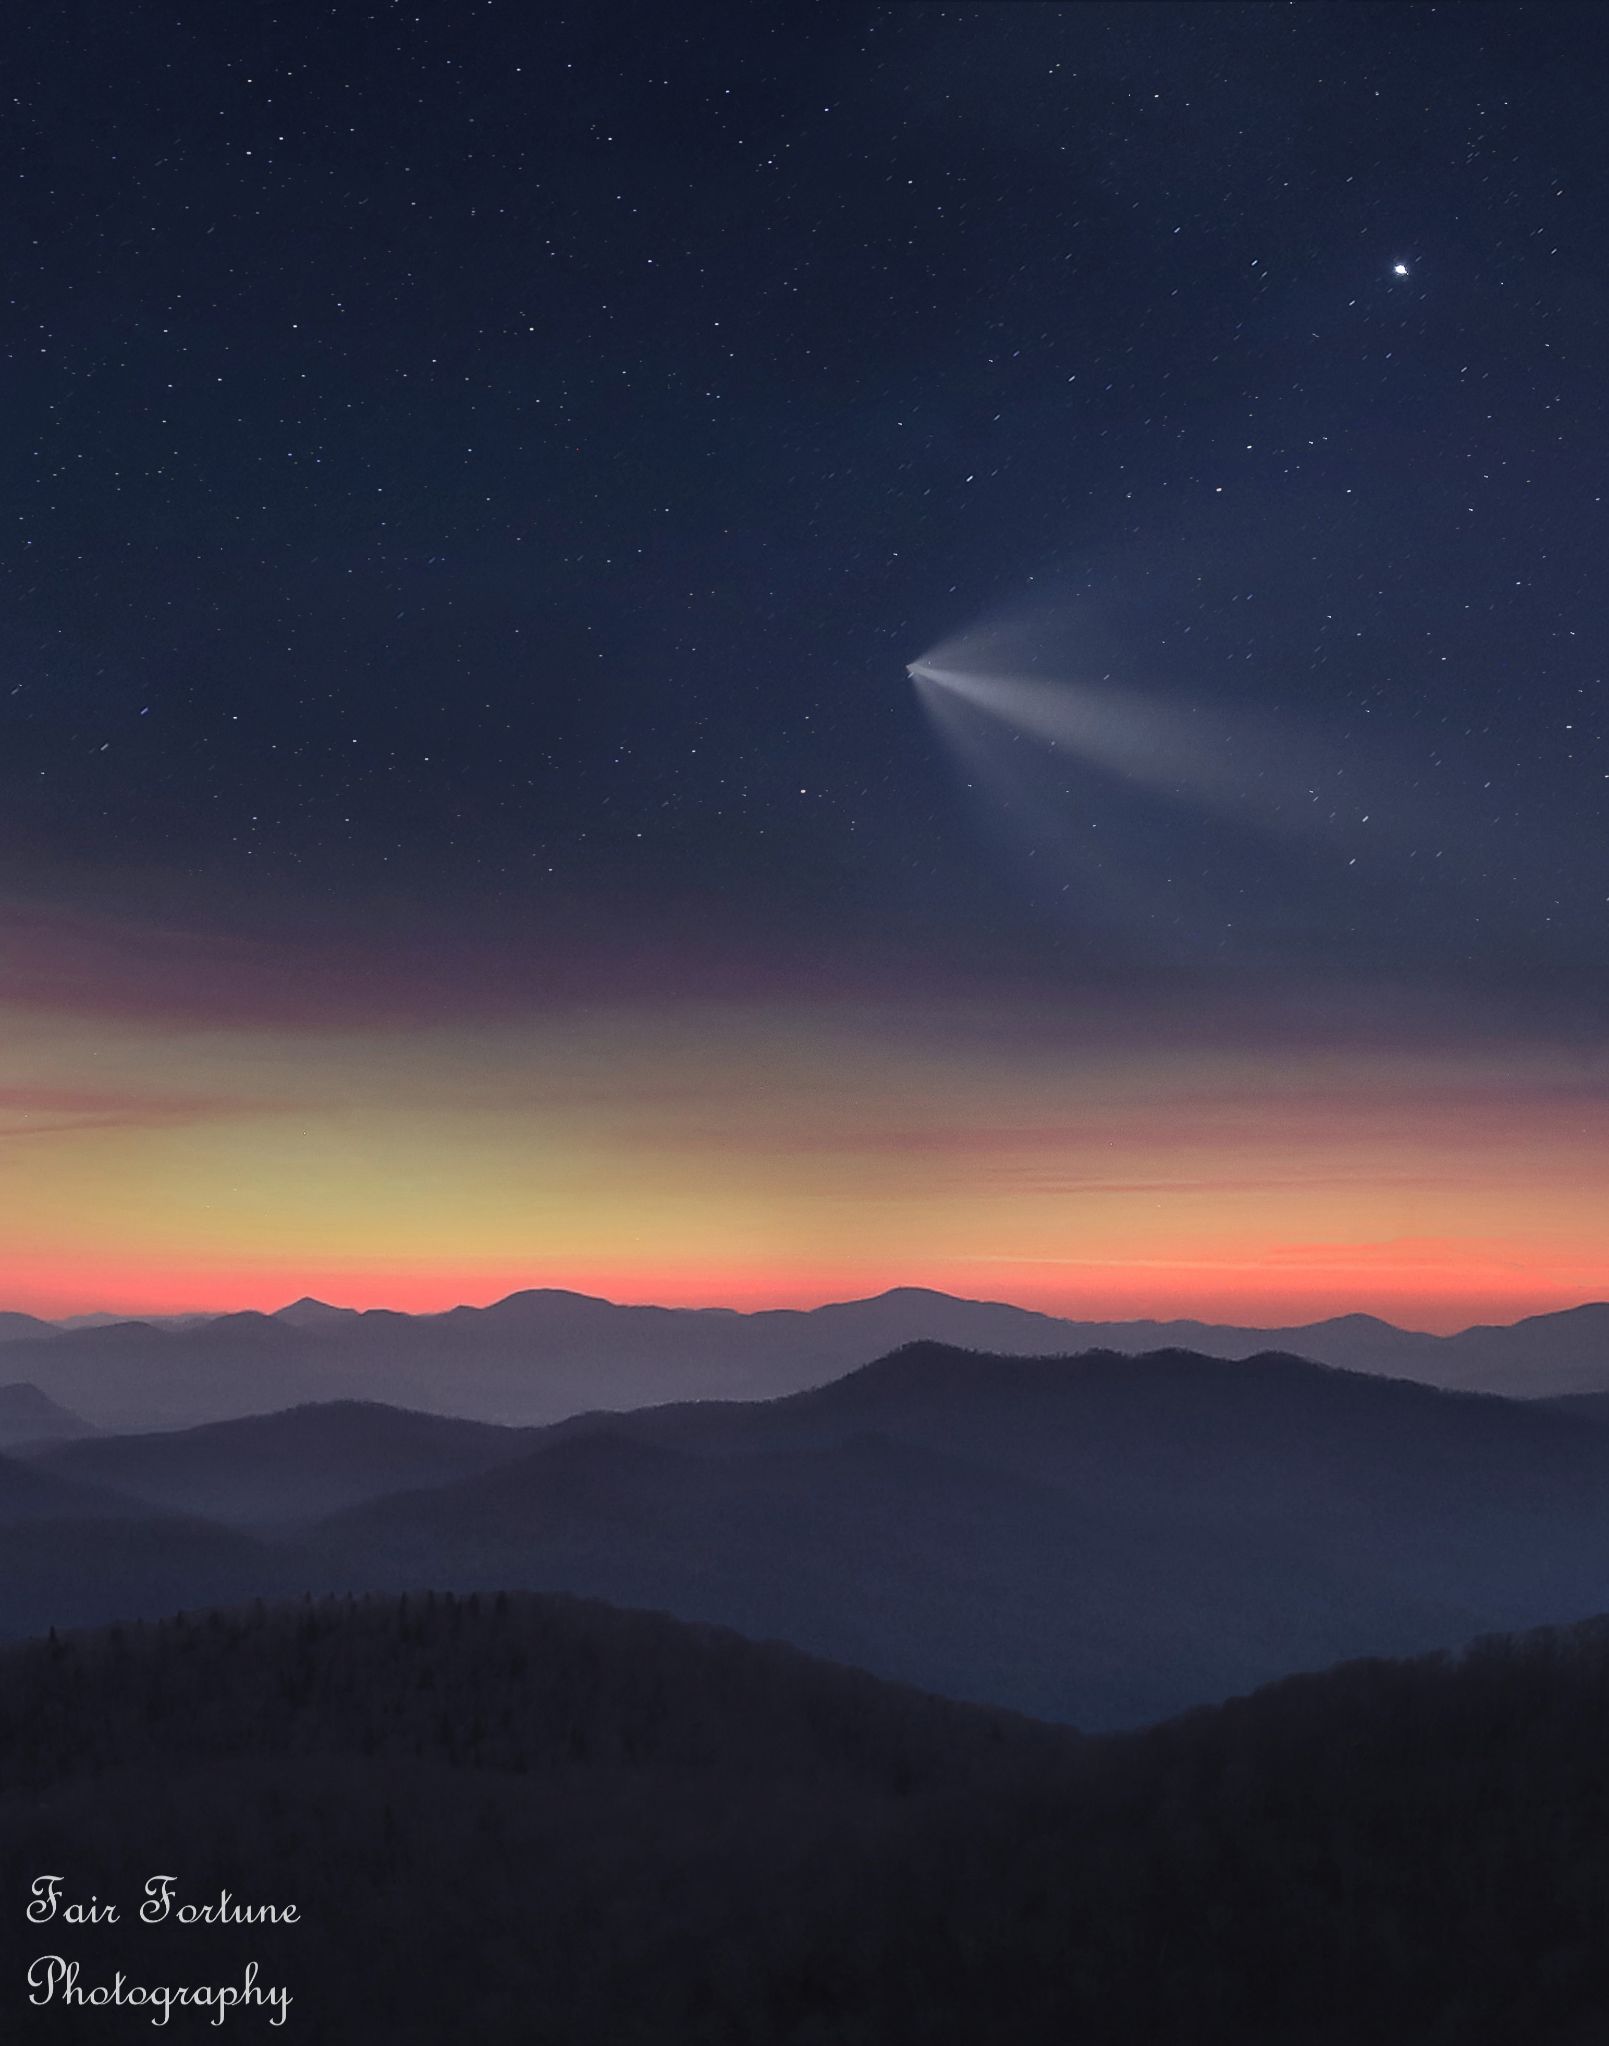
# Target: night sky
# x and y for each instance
(474, 481)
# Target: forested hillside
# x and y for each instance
(524, 1820)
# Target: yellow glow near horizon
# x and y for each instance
(743, 1154)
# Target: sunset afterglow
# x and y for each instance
(731, 1150)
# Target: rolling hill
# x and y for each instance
(28, 1415)
(30, 1494)
(291, 1466)
(1101, 1540)
(74, 1554)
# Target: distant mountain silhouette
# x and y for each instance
(136, 1374)
(310, 1313)
(646, 1832)
(536, 1357)
(100, 1318)
(28, 1415)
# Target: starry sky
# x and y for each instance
(474, 481)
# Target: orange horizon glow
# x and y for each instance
(1231, 1297)
(785, 1153)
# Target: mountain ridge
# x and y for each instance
(1099, 1539)
(540, 1354)
(1093, 1539)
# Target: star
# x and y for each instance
(1399, 269)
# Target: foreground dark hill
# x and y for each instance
(1101, 1540)
(520, 1820)
(291, 1466)
(539, 1356)
(1584, 1406)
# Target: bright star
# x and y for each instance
(1400, 269)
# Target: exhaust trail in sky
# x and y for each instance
(1098, 726)
(1295, 784)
